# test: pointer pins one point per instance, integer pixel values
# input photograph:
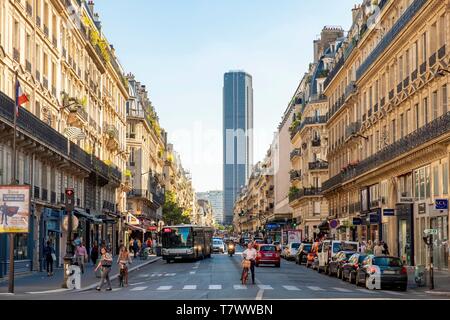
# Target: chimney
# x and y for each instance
(91, 6)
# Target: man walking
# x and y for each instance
(250, 254)
(4, 209)
(81, 256)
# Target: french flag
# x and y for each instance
(21, 97)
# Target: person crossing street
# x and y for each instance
(250, 254)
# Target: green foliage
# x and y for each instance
(293, 191)
(172, 213)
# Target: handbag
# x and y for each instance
(53, 257)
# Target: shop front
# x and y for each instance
(405, 229)
(50, 231)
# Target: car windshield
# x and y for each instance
(307, 248)
(217, 242)
(387, 262)
(344, 246)
(177, 237)
(361, 258)
(267, 248)
(295, 245)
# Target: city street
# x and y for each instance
(218, 278)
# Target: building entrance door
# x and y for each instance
(404, 242)
(440, 243)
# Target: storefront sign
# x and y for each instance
(357, 221)
(374, 218)
(132, 220)
(15, 209)
(388, 212)
(441, 204)
(431, 231)
(271, 226)
(422, 208)
(406, 200)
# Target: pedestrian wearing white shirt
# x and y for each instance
(250, 254)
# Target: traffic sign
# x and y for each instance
(431, 231)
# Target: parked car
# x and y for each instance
(268, 254)
(302, 253)
(218, 246)
(390, 270)
(350, 268)
(329, 248)
(312, 254)
(336, 263)
(291, 250)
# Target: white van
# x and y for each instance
(329, 248)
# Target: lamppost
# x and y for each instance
(69, 246)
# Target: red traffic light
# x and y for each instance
(69, 192)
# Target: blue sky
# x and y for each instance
(181, 48)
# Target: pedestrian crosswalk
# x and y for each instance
(315, 289)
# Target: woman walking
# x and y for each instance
(49, 254)
(105, 263)
(123, 261)
(94, 253)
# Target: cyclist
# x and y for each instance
(250, 254)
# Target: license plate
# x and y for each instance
(269, 255)
(178, 257)
(389, 272)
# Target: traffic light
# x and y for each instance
(294, 222)
(69, 199)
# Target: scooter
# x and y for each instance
(231, 249)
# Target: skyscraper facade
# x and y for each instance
(237, 137)
(215, 198)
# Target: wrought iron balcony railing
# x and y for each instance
(297, 152)
(390, 36)
(424, 134)
(352, 129)
(296, 175)
(308, 121)
(304, 192)
(318, 165)
(442, 52)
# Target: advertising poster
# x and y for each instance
(294, 236)
(14, 209)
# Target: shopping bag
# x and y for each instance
(54, 257)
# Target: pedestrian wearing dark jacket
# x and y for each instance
(49, 252)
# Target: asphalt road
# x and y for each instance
(218, 278)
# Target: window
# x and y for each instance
(445, 178)
(425, 110)
(424, 48)
(442, 28)
(402, 125)
(422, 183)
(417, 118)
(408, 115)
(444, 99)
(434, 102)
(416, 56)
(436, 181)
(21, 247)
(407, 70)
(394, 135)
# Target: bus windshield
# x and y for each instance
(180, 237)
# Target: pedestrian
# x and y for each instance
(378, 249)
(149, 242)
(94, 253)
(105, 263)
(50, 256)
(363, 247)
(123, 260)
(4, 209)
(81, 256)
(250, 254)
(385, 249)
(135, 247)
(369, 248)
(130, 245)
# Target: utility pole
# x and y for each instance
(69, 247)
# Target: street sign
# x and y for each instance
(357, 221)
(431, 231)
(441, 204)
(70, 199)
(334, 224)
(388, 212)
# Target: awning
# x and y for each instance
(324, 225)
(81, 213)
(136, 228)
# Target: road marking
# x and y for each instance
(192, 272)
(116, 289)
(164, 288)
(49, 291)
(367, 291)
(6, 294)
(139, 289)
(264, 287)
(291, 288)
(215, 287)
(393, 293)
(342, 290)
(239, 287)
(315, 288)
(195, 267)
(170, 274)
(135, 284)
(190, 287)
(260, 294)
(144, 275)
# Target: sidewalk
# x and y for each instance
(39, 282)
(441, 282)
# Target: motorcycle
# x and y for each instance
(231, 249)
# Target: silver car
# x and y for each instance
(218, 246)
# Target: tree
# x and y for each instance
(172, 213)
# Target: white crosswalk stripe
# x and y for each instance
(139, 289)
(215, 287)
(265, 287)
(170, 275)
(315, 288)
(343, 290)
(163, 288)
(192, 272)
(239, 287)
(190, 287)
(393, 293)
(367, 291)
(291, 288)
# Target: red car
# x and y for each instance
(268, 254)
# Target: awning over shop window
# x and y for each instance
(81, 213)
(324, 225)
(136, 228)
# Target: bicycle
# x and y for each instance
(245, 270)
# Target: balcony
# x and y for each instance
(28, 66)
(29, 9)
(45, 82)
(352, 129)
(350, 90)
(318, 165)
(425, 134)
(141, 114)
(399, 87)
(390, 36)
(317, 98)
(423, 68)
(308, 121)
(78, 117)
(295, 175)
(16, 55)
(304, 192)
(442, 52)
(140, 194)
(112, 136)
(297, 152)
(109, 206)
(316, 143)
(432, 60)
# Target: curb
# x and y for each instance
(439, 293)
(117, 275)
